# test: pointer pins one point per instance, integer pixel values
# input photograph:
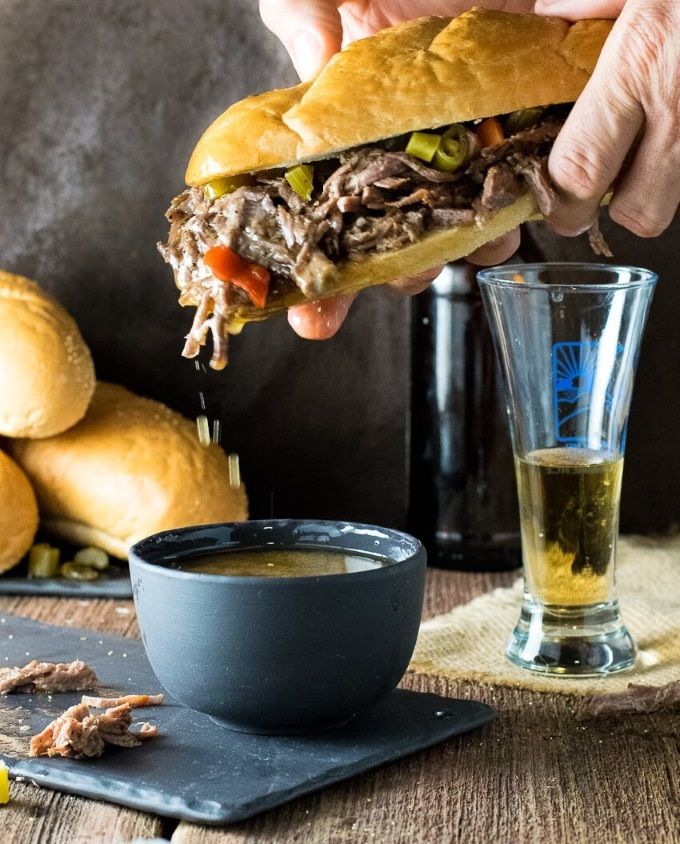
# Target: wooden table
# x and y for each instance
(535, 774)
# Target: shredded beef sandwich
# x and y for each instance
(412, 148)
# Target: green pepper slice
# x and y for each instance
(43, 560)
(301, 179)
(77, 571)
(454, 149)
(423, 145)
(516, 121)
(219, 187)
(96, 558)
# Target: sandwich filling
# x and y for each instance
(280, 231)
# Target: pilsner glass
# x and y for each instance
(568, 340)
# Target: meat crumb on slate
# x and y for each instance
(79, 734)
(48, 677)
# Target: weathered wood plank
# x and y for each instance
(38, 816)
(109, 616)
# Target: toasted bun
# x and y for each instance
(420, 74)
(18, 513)
(46, 371)
(130, 468)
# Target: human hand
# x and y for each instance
(625, 127)
(312, 31)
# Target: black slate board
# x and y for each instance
(197, 770)
(112, 583)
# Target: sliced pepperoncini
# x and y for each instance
(43, 560)
(516, 121)
(220, 187)
(77, 571)
(453, 150)
(423, 145)
(301, 179)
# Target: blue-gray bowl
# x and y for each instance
(279, 655)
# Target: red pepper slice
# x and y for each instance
(256, 284)
(490, 132)
(227, 266)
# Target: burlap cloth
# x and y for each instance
(469, 642)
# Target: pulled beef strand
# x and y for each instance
(637, 699)
(48, 677)
(133, 701)
(77, 733)
(597, 242)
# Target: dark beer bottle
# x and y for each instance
(462, 493)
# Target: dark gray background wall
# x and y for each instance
(101, 102)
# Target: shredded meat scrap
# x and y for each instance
(78, 733)
(635, 700)
(48, 677)
(132, 700)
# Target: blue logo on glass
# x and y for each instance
(573, 367)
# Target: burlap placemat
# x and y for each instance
(469, 642)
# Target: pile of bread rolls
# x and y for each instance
(96, 464)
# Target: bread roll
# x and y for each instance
(18, 513)
(46, 371)
(418, 75)
(130, 468)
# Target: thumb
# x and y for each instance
(574, 10)
(311, 31)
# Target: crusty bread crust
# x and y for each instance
(46, 370)
(18, 513)
(78, 534)
(420, 74)
(251, 135)
(130, 468)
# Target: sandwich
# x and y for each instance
(411, 148)
(18, 513)
(131, 467)
(46, 371)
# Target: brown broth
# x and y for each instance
(280, 562)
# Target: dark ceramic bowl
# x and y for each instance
(279, 655)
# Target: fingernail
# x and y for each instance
(550, 5)
(306, 54)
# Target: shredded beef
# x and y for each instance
(48, 677)
(597, 242)
(446, 218)
(77, 733)
(635, 700)
(531, 141)
(501, 188)
(535, 171)
(382, 234)
(133, 701)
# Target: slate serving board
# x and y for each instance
(197, 770)
(112, 583)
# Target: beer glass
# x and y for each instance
(568, 340)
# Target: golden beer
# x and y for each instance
(569, 503)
